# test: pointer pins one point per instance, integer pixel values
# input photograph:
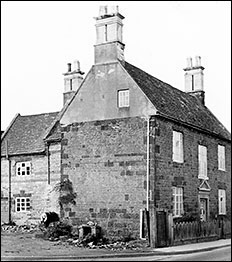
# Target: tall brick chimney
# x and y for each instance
(72, 81)
(194, 78)
(109, 46)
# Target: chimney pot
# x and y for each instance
(189, 62)
(69, 67)
(76, 65)
(197, 61)
(103, 10)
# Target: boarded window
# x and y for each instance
(178, 155)
(202, 162)
(222, 202)
(221, 158)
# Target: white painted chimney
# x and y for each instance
(72, 80)
(194, 78)
(109, 46)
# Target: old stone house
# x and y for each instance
(128, 141)
(33, 166)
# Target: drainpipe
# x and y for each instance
(48, 153)
(148, 159)
(9, 190)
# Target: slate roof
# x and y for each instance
(174, 103)
(25, 135)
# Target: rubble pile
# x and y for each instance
(91, 242)
(20, 228)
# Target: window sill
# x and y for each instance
(223, 170)
(203, 178)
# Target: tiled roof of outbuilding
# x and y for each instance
(25, 135)
(176, 104)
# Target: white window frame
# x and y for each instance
(221, 158)
(202, 162)
(178, 148)
(221, 202)
(23, 168)
(22, 204)
(123, 98)
(178, 206)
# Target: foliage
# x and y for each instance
(67, 194)
(57, 229)
(187, 217)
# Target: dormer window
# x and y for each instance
(123, 98)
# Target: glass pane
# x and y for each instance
(28, 172)
(23, 164)
(19, 173)
(22, 199)
(18, 208)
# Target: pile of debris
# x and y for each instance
(30, 228)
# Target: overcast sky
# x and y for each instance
(39, 38)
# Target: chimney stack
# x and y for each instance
(194, 78)
(109, 46)
(72, 81)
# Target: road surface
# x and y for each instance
(220, 254)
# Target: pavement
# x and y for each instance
(173, 250)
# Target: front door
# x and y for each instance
(203, 209)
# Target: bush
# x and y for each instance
(57, 229)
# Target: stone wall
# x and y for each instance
(36, 186)
(106, 162)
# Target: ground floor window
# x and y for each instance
(178, 208)
(222, 201)
(23, 204)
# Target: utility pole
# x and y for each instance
(9, 184)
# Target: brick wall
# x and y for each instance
(169, 173)
(106, 162)
(35, 186)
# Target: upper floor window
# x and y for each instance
(123, 98)
(221, 158)
(22, 204)
(23, 168)
(178, 208)
(221, 202)
(177, 151)
(202, 160)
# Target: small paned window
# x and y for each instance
(177, 152)
(221, 158)
(23, 168)
(123, 98)
(202, 161)
(222, 202)
(178, 208)
(23, 204)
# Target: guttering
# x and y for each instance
(159, 114)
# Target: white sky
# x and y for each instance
(39, 38)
